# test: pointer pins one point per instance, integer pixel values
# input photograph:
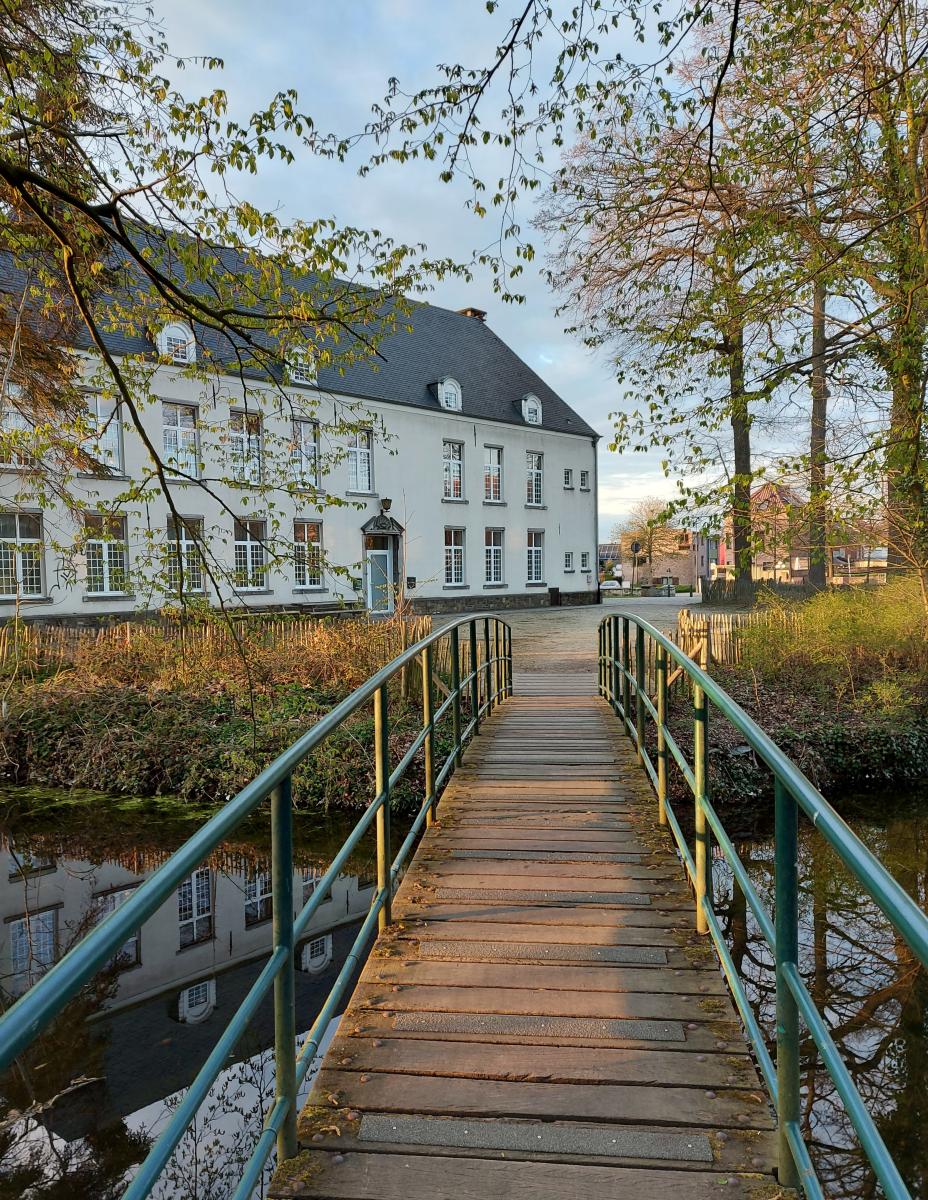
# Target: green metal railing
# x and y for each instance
(488, 681)
(627, 645)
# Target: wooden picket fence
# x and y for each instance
(27, 649)
(721, 632)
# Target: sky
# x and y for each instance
(339, 57)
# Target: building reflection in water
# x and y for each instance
(101, 1083)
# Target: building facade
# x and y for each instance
(465, 483)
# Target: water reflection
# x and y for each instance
(871, 991)
(83, 1105)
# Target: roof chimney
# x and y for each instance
(479, 313)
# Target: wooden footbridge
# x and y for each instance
(549, 1009)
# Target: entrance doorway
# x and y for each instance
(379, 561)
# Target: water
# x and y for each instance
(106, 1079)
(101, 1084)
(871, 991)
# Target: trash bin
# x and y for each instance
(554, 595)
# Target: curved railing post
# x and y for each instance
(786, 919)
(284, 983)
(382, 768)
(701, 858)
(456, 693)
(614, 675)
(661, 735)
(601, 667)
(474, 676)
(428, 751)
(626, 681)
(639, 691)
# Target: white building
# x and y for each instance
(470, 485)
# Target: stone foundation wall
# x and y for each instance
(492, 601)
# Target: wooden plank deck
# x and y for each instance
(542, 1020)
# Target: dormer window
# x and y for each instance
(301, 369)
(449, 394)
(531, 409)
(175, 343)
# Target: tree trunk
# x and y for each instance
(741, 484)
(817, 485)
(906, 468)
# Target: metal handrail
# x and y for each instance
(622, 683)
(487, 683)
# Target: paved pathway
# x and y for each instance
(542, 1021)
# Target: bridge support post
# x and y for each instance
(382, 767)
(702, 859)
(787, 954)
(284, 985)
(474, 676)
(661, 738)
(456, 693)
(428, 747)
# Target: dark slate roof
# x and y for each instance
(444, 343)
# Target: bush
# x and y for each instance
(845, 639)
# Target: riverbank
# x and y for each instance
(196, 717)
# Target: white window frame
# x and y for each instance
(568, 561)
(361, 462)
(259, 898)
(13, 420)
(106, 557)
(304, 454)
(22, 558)
(584, 481)
(250, 567)
(534, 478)
(181, 438)
(531, 409)
(493, 474)
(309, 878)
(584, 560)
(316, 954)
(106, 436)
(494, 541)
(301, 369)
(535, 563)
(176, 343)
(129, 953)
(196, 1002)
(201, 907)
(568, 478)
(307, 554)
(452, 457)
(185, 547)
(246, 436)
(455, 539)
(450, 395)
(34, 942)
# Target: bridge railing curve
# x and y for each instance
(471, 695)
(627, 645)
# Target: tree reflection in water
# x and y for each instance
(871, 991)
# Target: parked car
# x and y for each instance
(610, 585)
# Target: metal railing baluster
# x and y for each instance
(786, 918)
(701, 856)
(639, 690)
(662, 735)
(382, 768)
(456, 693)
(474, 678)
(487, 681)
(428, 746)
(284, 983)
